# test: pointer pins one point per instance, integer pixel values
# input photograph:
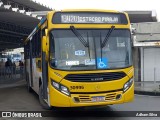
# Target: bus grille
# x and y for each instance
(84, 98)
(95, 77)
(108, 97)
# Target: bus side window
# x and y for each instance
(34, 46)
(39, 43)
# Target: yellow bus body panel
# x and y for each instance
(90, 90)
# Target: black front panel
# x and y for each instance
(95, 77)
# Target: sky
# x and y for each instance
(120, 5)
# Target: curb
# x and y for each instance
(147, 93)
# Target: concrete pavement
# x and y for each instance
(13, 83)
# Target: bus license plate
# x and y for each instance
(98, 98)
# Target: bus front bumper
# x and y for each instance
(58, 99)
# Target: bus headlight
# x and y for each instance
(127, 85)
(63, 89)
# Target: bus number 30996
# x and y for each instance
(76, 87)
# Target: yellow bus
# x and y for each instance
(78, 58)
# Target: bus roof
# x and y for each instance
(70, 10)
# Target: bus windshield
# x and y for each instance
(68, 53)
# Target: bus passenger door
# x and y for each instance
(44, 70)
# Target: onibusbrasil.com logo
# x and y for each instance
(21, 114)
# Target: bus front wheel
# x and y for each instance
(41, 100)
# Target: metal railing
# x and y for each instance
(11, 74)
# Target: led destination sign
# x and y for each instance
(89, 17)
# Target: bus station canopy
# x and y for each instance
(17, 22)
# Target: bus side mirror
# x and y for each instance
(44, 43)
(47, 40)
(45, 46)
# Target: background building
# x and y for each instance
(147, 51)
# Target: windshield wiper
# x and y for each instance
(83, 41)
(79, 36)
(88, 47)
(107, 37)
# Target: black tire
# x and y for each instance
(41, 100)
(28, 85)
